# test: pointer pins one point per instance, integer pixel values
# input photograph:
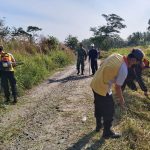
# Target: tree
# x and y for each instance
(52, 43)
(71, 42)
(87, 43)
(48, 44)
(4, 30)
(21, 33)
(103, 34)
(137, 38)
(32, 31)
(149, 25)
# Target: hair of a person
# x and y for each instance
(1, 47)
(130, 56)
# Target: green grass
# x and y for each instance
(37, 66)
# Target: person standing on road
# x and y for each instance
(93, 56)
(113, 70)
(135, 74)
(7, 64)
(81, 57)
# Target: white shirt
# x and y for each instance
(120, 78)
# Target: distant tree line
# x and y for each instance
(104, 37)
(27, 36)
(107, 36)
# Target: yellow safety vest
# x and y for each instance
(107, 72)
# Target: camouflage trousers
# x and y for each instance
(80, 65)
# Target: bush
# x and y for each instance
(60, 58)
(36, 68)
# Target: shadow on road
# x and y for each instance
(69, 78)
(97, 144)
(81, 143)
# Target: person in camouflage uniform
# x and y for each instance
(81, 57)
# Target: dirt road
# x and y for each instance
(56, 115)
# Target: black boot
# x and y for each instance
(98, 124)
(15, 100)
(111, 134)
(7, 100)
(107, 132)
(82, 72)
(78, 72)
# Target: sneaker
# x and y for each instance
(112, 135)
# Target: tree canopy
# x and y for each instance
(105, 35)
(71, 42)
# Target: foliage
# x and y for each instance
(37, 64)
(4, 30)
(114, 24)
(33, 30)
(139, 38)
(71, 42)
(148, 25)
(105, 36)
(49, 44)
(60, 58)
(36, 68)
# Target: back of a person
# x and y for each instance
(81, 54)
(93, 54)
(107, 72)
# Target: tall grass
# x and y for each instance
(37, 65)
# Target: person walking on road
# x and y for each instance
(7, 64)
(113, 70)
(81, 57)
(93, 56)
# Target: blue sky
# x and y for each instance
(60, 18)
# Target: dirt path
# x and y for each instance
(51, 116)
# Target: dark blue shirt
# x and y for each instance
(93, 54)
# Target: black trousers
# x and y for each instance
(8, 78)
(94, 66)
(104, 107)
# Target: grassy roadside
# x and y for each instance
(36, 68)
